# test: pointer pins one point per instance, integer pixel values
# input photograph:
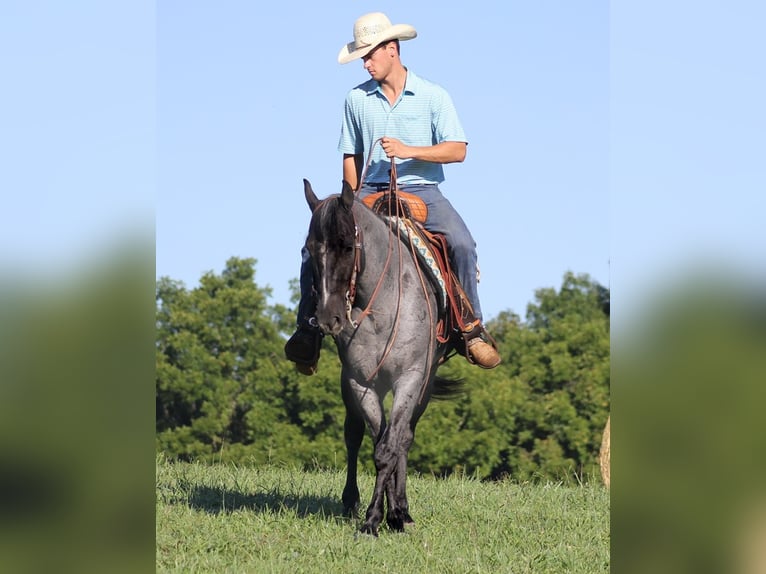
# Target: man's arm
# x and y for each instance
(444, 152)
(352, 169)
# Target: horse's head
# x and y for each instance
(331, 242)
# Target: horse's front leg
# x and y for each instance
(385, 456)
(391, 465)
(353, 431)
(398, 507)
(362, 404)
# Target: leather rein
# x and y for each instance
(358, 253)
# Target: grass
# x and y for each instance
(225, 518)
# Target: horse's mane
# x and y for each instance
(332, 221)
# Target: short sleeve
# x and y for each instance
(445, 120)
(350, 141)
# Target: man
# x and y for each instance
(418, 127)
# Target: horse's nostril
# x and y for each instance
(337, 325)
(331, 325)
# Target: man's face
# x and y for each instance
(378, 61)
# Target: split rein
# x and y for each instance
(394, 215)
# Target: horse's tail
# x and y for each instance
(447, 389)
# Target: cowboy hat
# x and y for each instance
(371, 30)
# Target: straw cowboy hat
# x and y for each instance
(369, 31)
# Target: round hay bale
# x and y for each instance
(603, 457)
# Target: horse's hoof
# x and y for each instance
(351, 509)
(369, 529)
(398, 523)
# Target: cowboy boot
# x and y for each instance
(482, 353)
(477, 349)
(304, 346)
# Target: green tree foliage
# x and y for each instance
(225, 391)
(541, 413)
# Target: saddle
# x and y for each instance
(457, 323)
(408, 206)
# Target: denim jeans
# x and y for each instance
(442, 218)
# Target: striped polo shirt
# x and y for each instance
(424, 115)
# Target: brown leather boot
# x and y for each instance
(483, 354)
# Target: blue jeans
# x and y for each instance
(442, 218)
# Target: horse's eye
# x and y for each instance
(345, 246)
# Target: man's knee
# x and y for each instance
(463, 247)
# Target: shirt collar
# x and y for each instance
(411, 84)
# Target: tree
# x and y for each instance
(226, 392)
(541, 413)
(224, 389)
(563, 360)
(210, 343)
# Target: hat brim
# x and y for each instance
(350, 52)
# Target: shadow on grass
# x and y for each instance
(215, 500)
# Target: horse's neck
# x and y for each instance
(375, 229)
(383, 247)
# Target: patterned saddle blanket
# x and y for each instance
(409, 214)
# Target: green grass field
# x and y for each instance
(224, 518)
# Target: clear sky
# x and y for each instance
(611, 140)
(77, 131)
(250, 100)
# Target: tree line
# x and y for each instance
(225, 392)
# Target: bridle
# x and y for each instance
(351, 291)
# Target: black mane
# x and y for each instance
(333, 225)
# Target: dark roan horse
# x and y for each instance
(382, 312)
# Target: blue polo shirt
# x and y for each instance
(424, 115)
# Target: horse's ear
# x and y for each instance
(311, 197)
(347, 196)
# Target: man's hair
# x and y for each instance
(386, 43)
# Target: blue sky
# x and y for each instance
(687, 146)
(619, 141)
(77, 132)
(250, 102)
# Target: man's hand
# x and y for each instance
(444, 152)
(395, 148)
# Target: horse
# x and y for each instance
(382, 311)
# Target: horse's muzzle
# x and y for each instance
(331, 318)
(331, 325)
